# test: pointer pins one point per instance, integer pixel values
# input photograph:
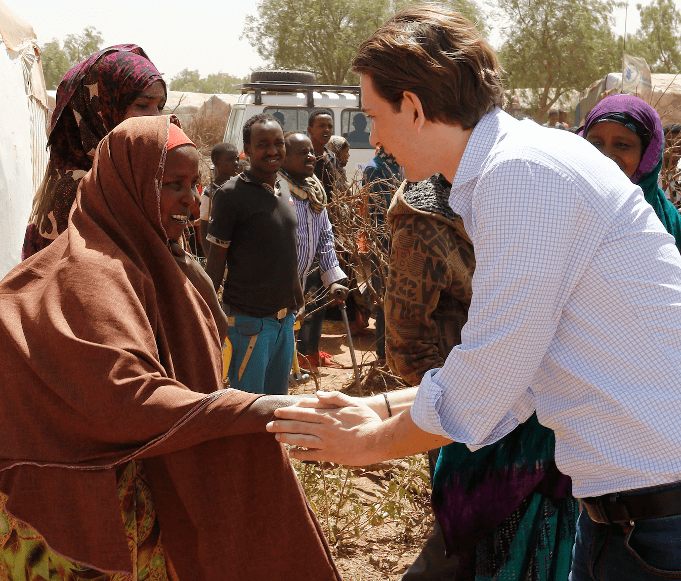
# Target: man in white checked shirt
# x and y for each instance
(576, 308)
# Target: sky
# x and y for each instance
(194, 34)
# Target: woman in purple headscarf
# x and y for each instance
(93, 97)
(629, 131)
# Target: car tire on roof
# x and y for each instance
(301, 77)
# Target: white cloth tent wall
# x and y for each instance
(24, 119)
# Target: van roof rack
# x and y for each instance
(279, 87)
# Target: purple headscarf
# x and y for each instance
(637, 115)
(642, 113)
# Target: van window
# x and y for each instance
(356, 127)
(235, 124)
(292, 118)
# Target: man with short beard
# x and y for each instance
(253, 231)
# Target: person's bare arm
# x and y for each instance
(353, 434)
(215, 266)
(203, 231)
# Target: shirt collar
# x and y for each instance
(491, 129)
(247, 177)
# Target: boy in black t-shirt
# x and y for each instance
(253, 231)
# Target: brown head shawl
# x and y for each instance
(108, 353)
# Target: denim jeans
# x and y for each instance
(650, 550)
(269, 364)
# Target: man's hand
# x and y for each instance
(335, 428)
(339, 292)
(300, 314)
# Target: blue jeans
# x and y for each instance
(269, 364)
(651, 550)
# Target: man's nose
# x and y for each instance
(373, 138)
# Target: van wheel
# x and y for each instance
(301, 77)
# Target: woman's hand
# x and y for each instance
(335, 428)
(203, 284)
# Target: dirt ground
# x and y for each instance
(385, 551)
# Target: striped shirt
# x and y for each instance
(576, 311)
(315, 240)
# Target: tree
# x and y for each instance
(192, 82)
(657, 40)
(553, 46)
(323, 36)
(57, 61)
(78, 47)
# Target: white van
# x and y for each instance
(291, 96)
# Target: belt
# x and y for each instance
(280, 314)
(625, 507)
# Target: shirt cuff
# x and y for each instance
(217, 241)
(332, 275)
(424, 410)
(426, 414)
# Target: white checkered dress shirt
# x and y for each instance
(576, 311)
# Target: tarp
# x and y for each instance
(666, 95)
(24, 119)
(185, 104)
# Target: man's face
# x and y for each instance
(266, 150)
(300, 158)
(227, 165)
(394, 132)
(321, 129)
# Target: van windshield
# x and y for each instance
(292, 118)
(356, 128)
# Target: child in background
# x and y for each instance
(225, 158)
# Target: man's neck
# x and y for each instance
(319, 148)
(221, 179)
(451, 146)
(263, 177)
(298, 178)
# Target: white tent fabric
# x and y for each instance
(24, 118)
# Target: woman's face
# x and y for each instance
(179, 195)
(619, 143)
(344, 156)
(148, 103)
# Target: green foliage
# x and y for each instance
(657, 40)
(323, 36)
(552, 46)
(346, 510)
(78, 47)
(192, 82)
(56, 61)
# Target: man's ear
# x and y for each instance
(412, 101)
(247, 150)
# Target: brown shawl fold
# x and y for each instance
(109, 353)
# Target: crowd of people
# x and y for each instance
(531, 292)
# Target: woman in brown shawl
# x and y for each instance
(111, 362)
(98, 93)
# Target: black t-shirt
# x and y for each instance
(260, 228)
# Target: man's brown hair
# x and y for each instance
(438, 55)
